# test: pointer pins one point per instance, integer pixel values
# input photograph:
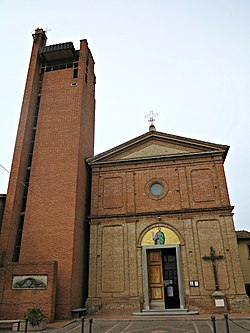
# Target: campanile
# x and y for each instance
(44, 231)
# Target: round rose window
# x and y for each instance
(156, 189)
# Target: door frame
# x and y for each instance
(145, 272)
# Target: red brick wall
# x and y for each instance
(22, 146)
(191, 184)
(17, 301)
(195, 206)
(55, 227)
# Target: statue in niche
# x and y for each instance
(159, 237)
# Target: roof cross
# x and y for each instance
(213, 257)
(151, 117)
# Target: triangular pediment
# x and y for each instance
(157, 145)
(155, 149)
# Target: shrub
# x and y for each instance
(35, 316)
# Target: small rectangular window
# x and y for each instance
(75, 73)
(32, 146)
(29, 160)
(62, 66)
(27, 179)
(33, 135)
(38, 101)
(25, 191)
(23, 204)
(37, 110)
(35, 121)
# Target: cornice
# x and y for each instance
(227, 209)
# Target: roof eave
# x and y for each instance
(157, 158)
(146, 136)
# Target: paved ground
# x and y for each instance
(150, 325)
(158, 325)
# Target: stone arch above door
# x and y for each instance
(167, 235)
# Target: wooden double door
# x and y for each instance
(163, 279)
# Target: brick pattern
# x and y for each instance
(21, 152)
(16, 302)
(55, 227)
(2, 203)
(195, 206)
(193, 184)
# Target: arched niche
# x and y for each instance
(169, 235)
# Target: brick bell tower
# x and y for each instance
(44, 234)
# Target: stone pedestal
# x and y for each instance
(40, 327)
(220, 302)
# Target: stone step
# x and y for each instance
(167, 312)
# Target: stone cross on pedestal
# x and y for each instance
(213, 258)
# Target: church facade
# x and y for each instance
(144, 227)
(161, 228)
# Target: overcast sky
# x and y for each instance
(187, 60)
